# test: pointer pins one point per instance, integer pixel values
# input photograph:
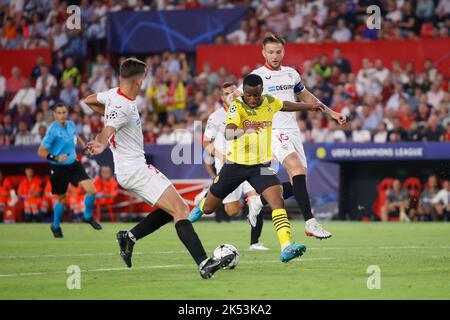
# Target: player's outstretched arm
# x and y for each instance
(308, 97)
(101, 141)
(92, 102)
(234, 95)
(302, 106)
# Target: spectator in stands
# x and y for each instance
(30, 192)
(435, 95)
(441, 201)
(176, 97)
(45, 83)
(69, 95)
(397, 203)
(382, 134)
(394, 101)
(2, 89)
(106, 186)
(71, 71)
(76, 48)
(424, 9)
(425, 210)
(342, 63)
(414, 132)
(150, 133)
(397, 133)
(15, 82)
(434, 130)
(23, 114)
(57, 38)
(23, 136)
(342, 33)
(359, 134)
(369, 118)
(318, 134)
(447, 132)
(334, 133)
(25, 96)
(4, 139)
(96, 34)
(5, 193)
(323, 68)
(239, 36)
(166, 136)
(37, 138)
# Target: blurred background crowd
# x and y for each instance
(384, 103)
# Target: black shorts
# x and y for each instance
(260, 177)
(61, 175)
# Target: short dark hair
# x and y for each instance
(273, 38)
(227, 84)
(132, 67)
(60, 105)
(252, 80)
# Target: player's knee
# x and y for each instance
(62, 199)
(233, 209)
(181, 211)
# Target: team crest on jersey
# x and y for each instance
(216, 179)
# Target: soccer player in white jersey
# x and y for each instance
(123, 132)
(285, 84)
(215, 143)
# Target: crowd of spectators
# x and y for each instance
(383, 103)
(417, 202)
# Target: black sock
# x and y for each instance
(301, 195)
(287, 192)
(256, 231)
(191, 241)
(152, 222)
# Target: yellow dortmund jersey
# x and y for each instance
(254, 147)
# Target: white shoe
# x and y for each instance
(258, 246)
(315, 229)
(254, 208)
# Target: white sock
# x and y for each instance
(312, 220)
(132, 237)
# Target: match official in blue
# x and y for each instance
(59, 147)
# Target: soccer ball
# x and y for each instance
(226, 249)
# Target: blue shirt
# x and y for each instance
(62, 140)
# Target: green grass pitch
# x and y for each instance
(414, 260)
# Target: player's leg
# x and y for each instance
(256, 202)
(268, 184)
(80, 177)
(59, 181)
(257, 225)
(229, 178)
(290, 153)
(232, 202)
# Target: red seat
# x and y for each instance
(426, 30)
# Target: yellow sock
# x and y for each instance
(282, 226)
(202, 203)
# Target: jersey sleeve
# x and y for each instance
(298, 86)
(233, 115)
(101, 97)
(48, 139)
(116, 118)
(211, 128)
(278, 104)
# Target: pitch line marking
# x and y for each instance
(23, 274)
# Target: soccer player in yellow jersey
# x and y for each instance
(249, 126)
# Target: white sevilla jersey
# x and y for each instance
(127, 144)
(283, 84)
(215, 130)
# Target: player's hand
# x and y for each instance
(62, 158)
(93, 148)
(339, 117)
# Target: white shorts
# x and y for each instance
(236, 195)
(147, 182)
(285, 142)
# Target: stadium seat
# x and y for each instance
(426, 30)
(108, 205)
